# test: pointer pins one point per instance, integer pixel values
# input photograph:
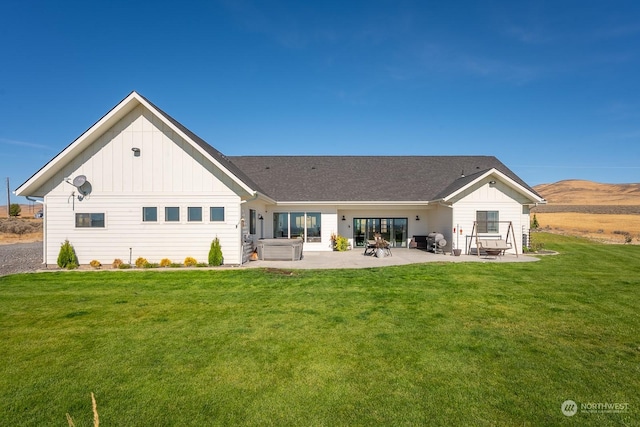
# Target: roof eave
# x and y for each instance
(79, 144)
(186, 137)
(355, 203)
(504, 178)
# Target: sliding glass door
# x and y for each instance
(393, 230)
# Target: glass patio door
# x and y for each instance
(393, 230)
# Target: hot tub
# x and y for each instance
(280, 249)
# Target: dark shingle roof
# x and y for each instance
(365, 178)
(352, 178)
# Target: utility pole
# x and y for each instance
(8, 200)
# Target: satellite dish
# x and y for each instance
(79, 180)
(85, 188)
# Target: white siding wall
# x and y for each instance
(440, 222)
(168, 172)
(487, 197)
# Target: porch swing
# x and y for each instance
(493, 247)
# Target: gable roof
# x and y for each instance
(309, 179)
(111, 118)
(368, 178)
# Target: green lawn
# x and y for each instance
(432, 344)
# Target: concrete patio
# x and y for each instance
(356, 259)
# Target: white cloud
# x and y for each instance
(23, 144)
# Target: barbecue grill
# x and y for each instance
(436, 242)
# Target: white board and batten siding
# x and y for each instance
(491, 197)
(169, 172)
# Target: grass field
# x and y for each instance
(609, 228)
(435, 344)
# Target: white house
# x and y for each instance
(138, 183)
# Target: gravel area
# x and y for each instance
(20, 258)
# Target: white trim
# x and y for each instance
(343, 203)
(504, 178)
(94, 132)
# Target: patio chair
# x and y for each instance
(370, 247)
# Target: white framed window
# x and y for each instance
(149, 214)
(89, 220)
(172, 214)
(194, 214)
(216, 214)
(488, 221)
(306, 225)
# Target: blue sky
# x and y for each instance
(550, 88)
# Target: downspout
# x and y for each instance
(44, 227)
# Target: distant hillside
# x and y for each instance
(579, 192)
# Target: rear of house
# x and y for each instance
(139, 184)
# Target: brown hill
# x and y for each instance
(579, 192)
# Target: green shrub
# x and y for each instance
(14, 209)
(341, 243)
(215, 253)
(67, 256)
(534, 222)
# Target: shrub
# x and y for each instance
(215, 253)
(534, 222)
(14, 209)
(95, 263)
(190, 261)
(165, 262)
(19, 226)
(342, 243)
(67, 256)
(141, 262)
(124, 266)
(117, 263)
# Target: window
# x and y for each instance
(149, 214)
(280, 225)
(313, 227)
(252, 221)
(90, 220)
(172, 214)
(216, 214)
(488, 221)
(194, 214)
(305, 225)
